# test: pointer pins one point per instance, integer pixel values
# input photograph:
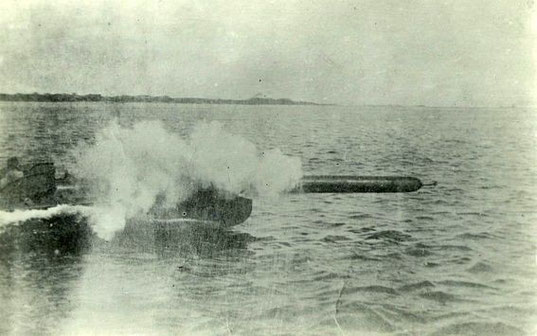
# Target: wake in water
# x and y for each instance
(8, 217)
(130, 168)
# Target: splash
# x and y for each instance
(130, 168)
(103, 220)
(18, 216)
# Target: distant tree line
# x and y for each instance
(73, 97)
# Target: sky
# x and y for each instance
(435, 53)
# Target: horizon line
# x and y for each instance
(291, 100)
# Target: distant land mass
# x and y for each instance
(73, 97)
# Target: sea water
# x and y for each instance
(458, 258)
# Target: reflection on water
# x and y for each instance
(181, 239)
(52, 271)
(37, 275)
(66, 233)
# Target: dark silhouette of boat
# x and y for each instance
(39, 189)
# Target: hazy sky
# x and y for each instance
(463, 52)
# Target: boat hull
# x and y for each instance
(206, 205)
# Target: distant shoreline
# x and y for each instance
(63, 97)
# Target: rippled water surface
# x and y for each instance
(455, 259)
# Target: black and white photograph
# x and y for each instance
(268, 167)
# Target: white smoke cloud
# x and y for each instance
(131, 167)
